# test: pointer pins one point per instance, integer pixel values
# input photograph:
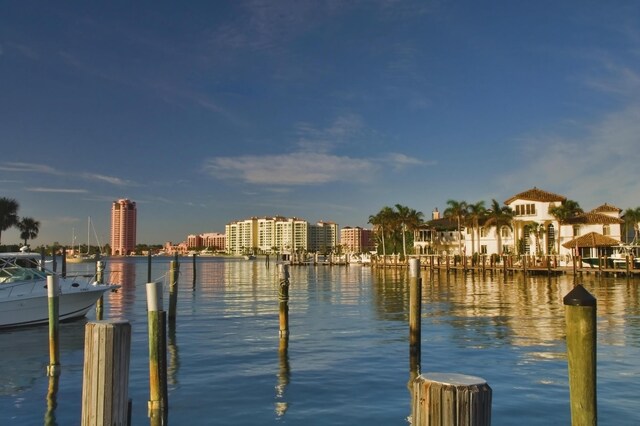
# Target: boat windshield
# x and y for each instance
(19, 269)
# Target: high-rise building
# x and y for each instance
(123, 227)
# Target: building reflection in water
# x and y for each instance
(122, 271)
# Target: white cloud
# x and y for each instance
(601, 166)
(298, 168)
(28, 168)
(62, 190)
(109, 179)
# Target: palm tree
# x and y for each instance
(8, 214)
(563, 212)
(29, 229)
(409, 219)
(499, 216)
(457, 210)
(535, 229)
(632, 218)
(381, 220)
(475, 212)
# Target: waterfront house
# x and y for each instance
(533, 230)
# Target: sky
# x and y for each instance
(206, 112)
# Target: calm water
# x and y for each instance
(348, 356)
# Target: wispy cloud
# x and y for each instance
(600, 166)
(401, 161)
(298, 168)
(34, 168)
(109, 179)
(28, 168)
(61, 190)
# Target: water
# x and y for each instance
(348, 357)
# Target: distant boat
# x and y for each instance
(249, 257)
(88, 256)
(24, 296)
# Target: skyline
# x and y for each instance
(204, 113)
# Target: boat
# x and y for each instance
(24, 297)
(249, 257)
(84, 257)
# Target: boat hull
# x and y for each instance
(18, 312)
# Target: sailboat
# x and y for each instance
(84, 257)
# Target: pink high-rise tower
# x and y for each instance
(123, 227)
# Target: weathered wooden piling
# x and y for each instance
(283, 297)
(105, 385)
(99, 280)
(53, 293)
(52, 401)
(149, 267)
(173, 289)
(580, 318)
(415, 309)
(194, 271)
(42, 259)
(63, 270)
(445, 399)
(158, 401)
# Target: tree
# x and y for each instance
(29, 229)
(632, 218)
(563, 212)
(457, 210)
(535, 229)
(475, 212)
(8, 214)
(499, 216)
(381, 220)
(409, 219)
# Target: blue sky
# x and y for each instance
(208, 112)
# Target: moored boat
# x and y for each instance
(24, 296)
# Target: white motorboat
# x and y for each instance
(24, 296)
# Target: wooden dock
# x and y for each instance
(510, 264)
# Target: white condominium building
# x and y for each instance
(279, 234)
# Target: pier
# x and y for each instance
(506, 264)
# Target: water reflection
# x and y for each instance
(284, 375)
(122, 271)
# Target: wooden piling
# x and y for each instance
(149, 267)
(52, 401)
(105, 389)
(193, 262)
(99, 280)
(415, 308)
(158, 400)
(580, 318)
(444, 399)
(53, 293)
(283, 296)
(173, 289)
(63, 271)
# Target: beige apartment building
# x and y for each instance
(279, 234)
(123, 227)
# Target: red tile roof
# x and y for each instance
(536, 194)
(592, 239)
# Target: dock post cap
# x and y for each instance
(454, 379)
(579, 296)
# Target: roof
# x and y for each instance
(606, 208)
(536, 194)
(593, 218)
(592, 239)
